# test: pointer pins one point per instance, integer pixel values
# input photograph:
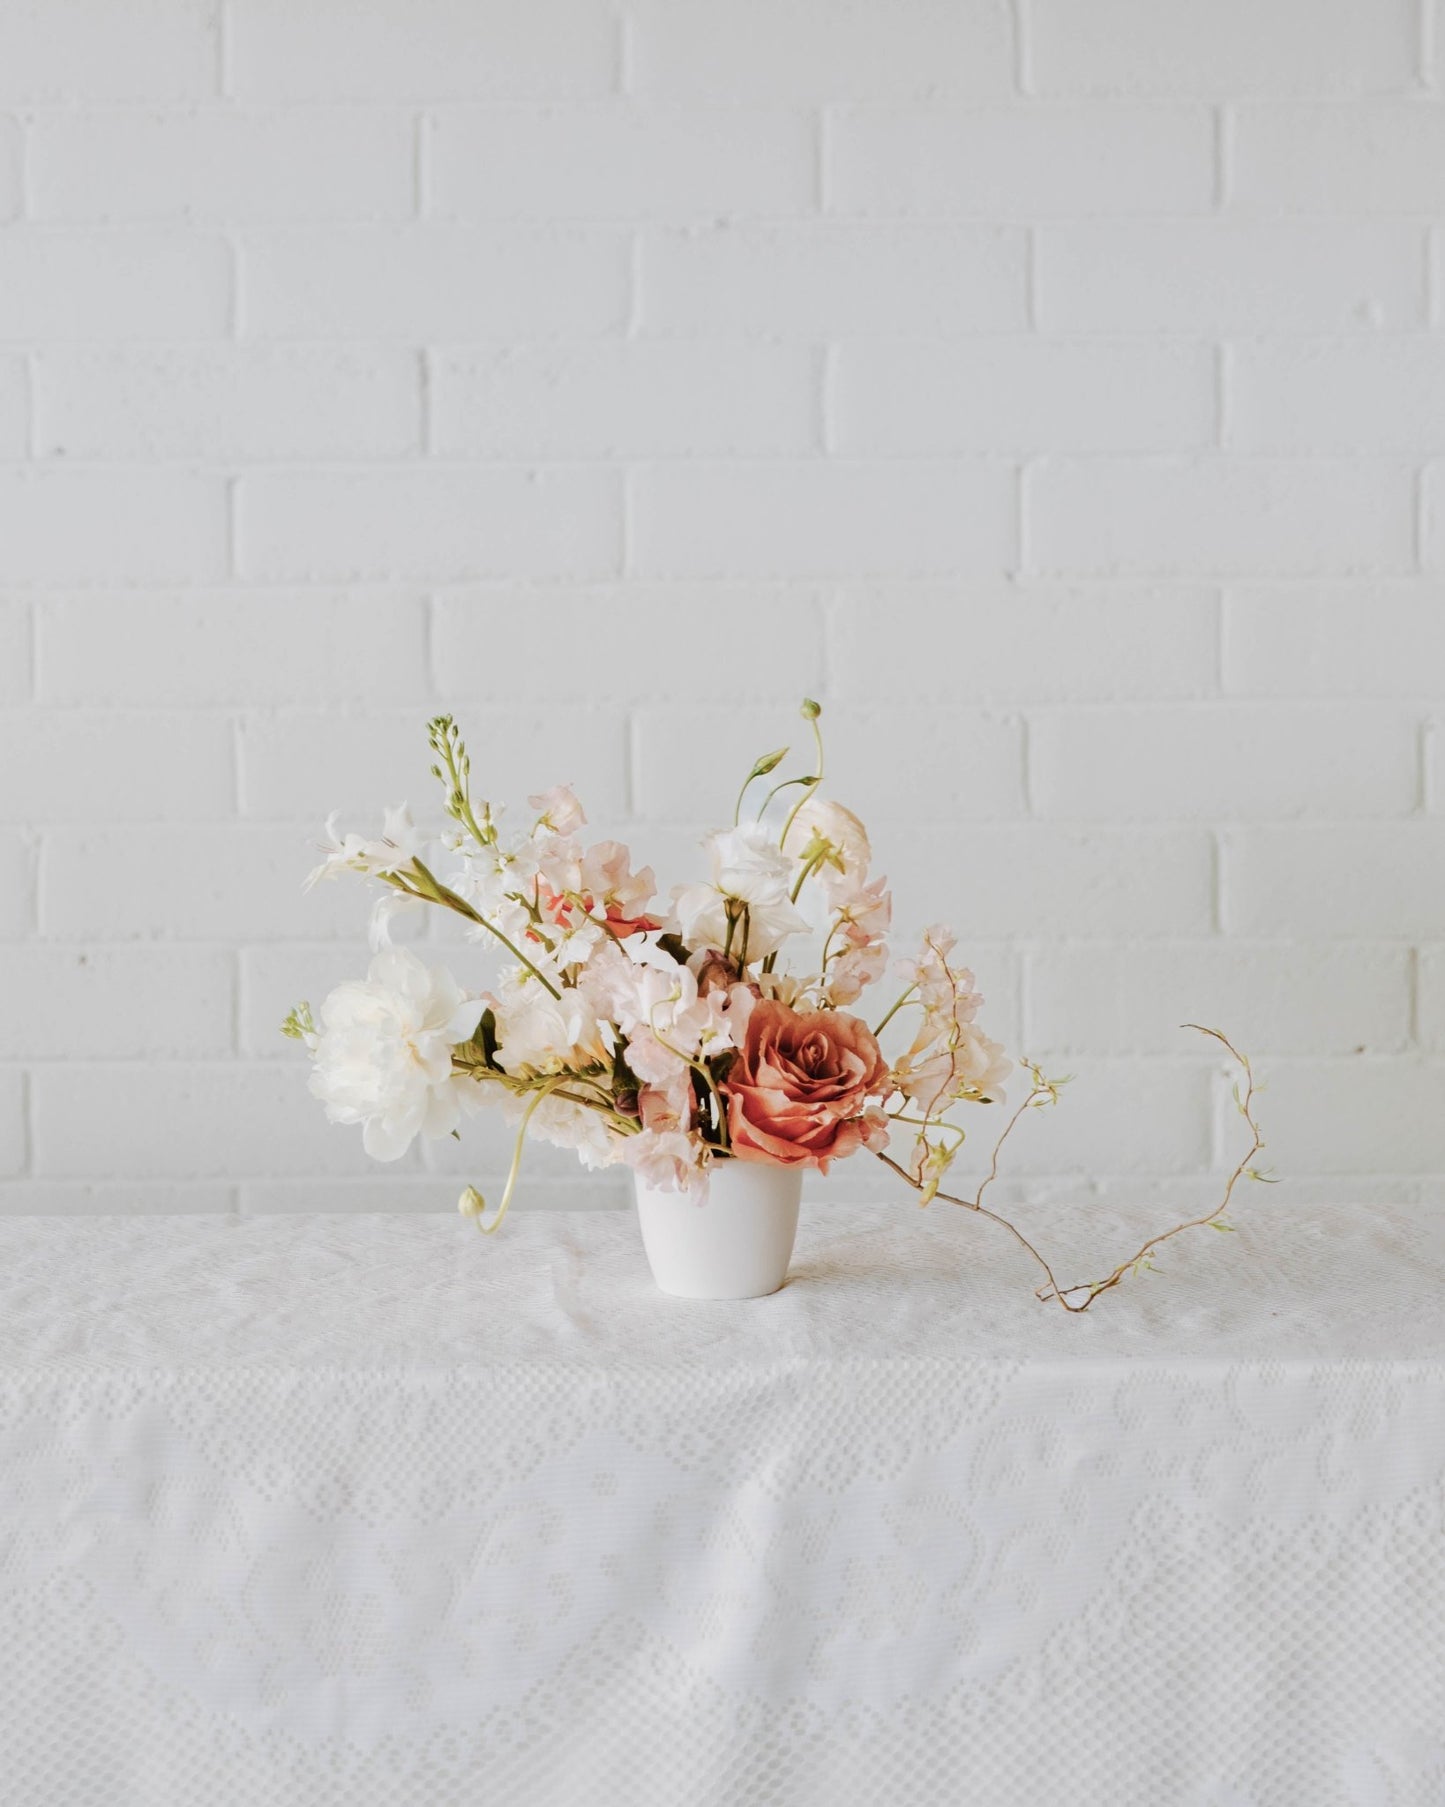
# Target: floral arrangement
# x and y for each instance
(672, 1035)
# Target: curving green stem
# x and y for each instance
(817, 780)
(434, 891)
(898, 1005)
(545, 1091)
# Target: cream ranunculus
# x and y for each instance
(384, 1055)
(823, 820)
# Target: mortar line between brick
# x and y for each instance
(27, 1126)
(1022, 69)
(237, 978)
(634, 286)
(23, 130)
(223, 50)
(238, 800)
(826, 609)
(1223, 365)
(1031, 281)
(629, 525)
(1216, 883)
(1026, 766)
(1222, 615)
(36, 877)
(421, 165)
(626, 55)
(32, 411)
(426, 422)
(32, 629)
(233, 526)
(1224, 172)
(236, 319)
(1419, 523)
(1412, 1025)
(630, 764)
(430, 604)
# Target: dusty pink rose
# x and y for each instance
(798, 1092)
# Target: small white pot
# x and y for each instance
(732, 1239)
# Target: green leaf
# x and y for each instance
(481, 1051)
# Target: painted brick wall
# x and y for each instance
(1057, 391)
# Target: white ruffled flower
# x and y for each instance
(384, 1054)
(699, 916)
(750, 868)
(748, 864)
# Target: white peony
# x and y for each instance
(384, 1055)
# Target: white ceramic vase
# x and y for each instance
(732, 1239)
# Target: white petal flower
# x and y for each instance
(747, 863)
(384, 1055)
(769, 925)
(699, 916)
(400, 842)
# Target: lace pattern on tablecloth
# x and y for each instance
(360, 1511)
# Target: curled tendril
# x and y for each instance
(1045, 1092)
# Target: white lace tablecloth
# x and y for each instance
(370, 1512)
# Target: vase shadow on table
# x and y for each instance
(866, 1258)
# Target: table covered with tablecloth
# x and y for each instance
(373, 1512)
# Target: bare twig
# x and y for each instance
(1045, 1093)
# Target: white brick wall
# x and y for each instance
(1055, 390)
